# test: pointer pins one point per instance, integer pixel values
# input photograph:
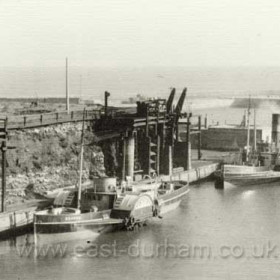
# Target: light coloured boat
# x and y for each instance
(249, 175)
(137, 207)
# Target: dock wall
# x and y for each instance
(14, 222)
(194, 174)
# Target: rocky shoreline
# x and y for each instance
(48, 158)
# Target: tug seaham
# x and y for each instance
(144, 151)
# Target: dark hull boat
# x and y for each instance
(93, 216)
(71, 220)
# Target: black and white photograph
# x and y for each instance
(139, 139)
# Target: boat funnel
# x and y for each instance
(105, 184)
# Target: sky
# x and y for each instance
(140, 33)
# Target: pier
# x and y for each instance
(19, 218)
(50, 119)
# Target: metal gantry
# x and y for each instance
(149, 136)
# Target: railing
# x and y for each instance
(46, 119)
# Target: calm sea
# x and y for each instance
(91, 82)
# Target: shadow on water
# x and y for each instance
(235, 216)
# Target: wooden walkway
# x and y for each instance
(47, 119)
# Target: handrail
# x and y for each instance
(46, 119)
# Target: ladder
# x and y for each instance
(118, 202)
(69, 200)
(150, 156)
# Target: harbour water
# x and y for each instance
(214, 234)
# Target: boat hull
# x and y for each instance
(249, 175)
(243, 169)
(170, 202)
(97, 222)
(244, 180)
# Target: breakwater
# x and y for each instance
(256, 102)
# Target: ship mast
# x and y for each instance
(67, 86)
(248, 130)
(81, 164)
(255, 131)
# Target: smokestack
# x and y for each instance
(275, 134)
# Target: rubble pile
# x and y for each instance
(48, 158)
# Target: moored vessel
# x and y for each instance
(93, 213)
(76, 210)
(244, 175)
(135, 208)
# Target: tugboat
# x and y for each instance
(93, 213)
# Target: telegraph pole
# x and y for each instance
(4, 148)
(67, 87)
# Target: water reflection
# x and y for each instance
(236, 217)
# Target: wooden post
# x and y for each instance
(147, 121)
(199, 139)
(205, 121)
(255, 132)
(163, 156)
(188, 144)
(158, 156)
(248, 130)
(158, 142)
(41, 119)
(130, 155)
(3, 149)
(106, 96)
(24, 120)
(81, 164)
(177, 131)
(123, 159)
(56, 116)
(170, 160)
(219, 178)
